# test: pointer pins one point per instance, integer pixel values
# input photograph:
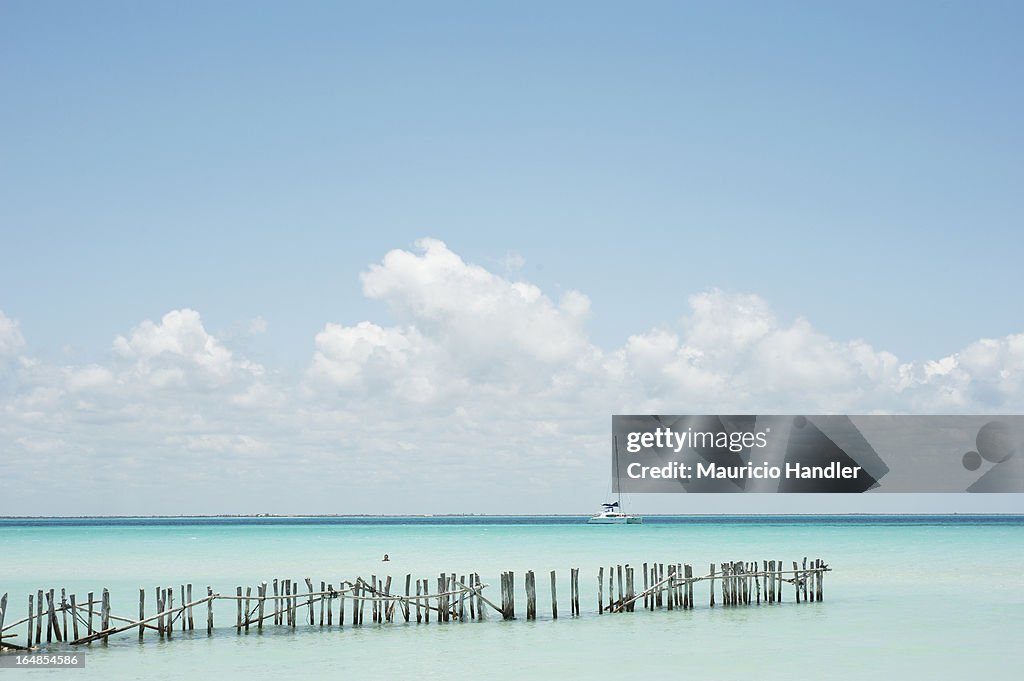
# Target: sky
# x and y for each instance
(410, 257)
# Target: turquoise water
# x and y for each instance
(935, 598)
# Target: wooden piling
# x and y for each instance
(660, 580)
(504, 596)
(531, 595)
(74, 616)
(170, 610)
(600, 590)
(511, 595)
(462, 597)
(803, 578)
(39, 616)
(726, 573)
(821, 579)
(293, 602)
(576, 590)
(105, 613)
(442, 611)
(238, 610)
(389, 606)
(31, 614)
(191, 622)
(142, 611)
(671, 575)
(309, 603)
(618, 570)
(262, 594)
(277, 613)
(209, 609)
(408, 584)
(248, 607)
(49, 616)
(554, 598)
(361, 603)
(64, 613)
(283, 615)
(647, 596)
(159, 602)
(780, 575)
(689, 585)
(712, 589)
(426, 601)
(89, 621)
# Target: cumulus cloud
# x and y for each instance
(11, 340)
(477, 368)
(475, 312)
(468, 332)
(178, 352)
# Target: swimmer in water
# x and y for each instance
(385, 559)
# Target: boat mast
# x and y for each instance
(615, 470)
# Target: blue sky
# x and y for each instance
(855, 165)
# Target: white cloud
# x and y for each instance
(11, 340)
(178, 352)
(476, 313)
(482, 377)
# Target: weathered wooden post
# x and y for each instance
(191, 622)
(238, 610)
(712, 589)
(142, 612)
(408, 583)
(388, 605)
(105, 613)
(554, 598)
(90, 596)
(159, 611)
(209, 610)
(576, 591)
(74, 616)
(689, 584)
(170, 610)
(309, 602)
(31, 613)
(248, 607)
(531, 596)
(261, 593)
(39, 616)
(821, 579)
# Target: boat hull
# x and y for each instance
(615, 520)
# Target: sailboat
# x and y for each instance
(612, 513)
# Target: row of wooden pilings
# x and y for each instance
(670, 586)
(63, 618)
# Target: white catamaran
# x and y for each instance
(612, 514)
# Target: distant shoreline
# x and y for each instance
(263, 516)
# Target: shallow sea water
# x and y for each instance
(920, 598)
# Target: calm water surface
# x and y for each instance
(904, 600)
